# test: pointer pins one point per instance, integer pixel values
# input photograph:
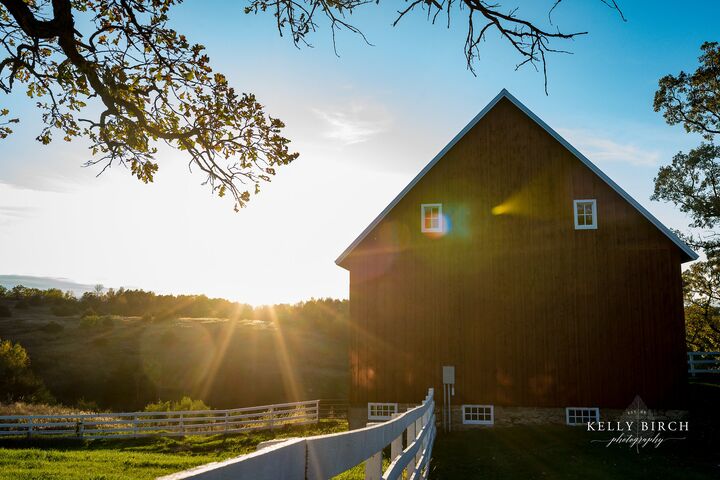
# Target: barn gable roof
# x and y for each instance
(689, 253)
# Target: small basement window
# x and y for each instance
(581, 415)
(478, 415)
(585, 214)
(382, 411)
(431, 217)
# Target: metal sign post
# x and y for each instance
(448, 392)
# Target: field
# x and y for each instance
(123, 363)
(141, 459)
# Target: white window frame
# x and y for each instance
(392, 408)
(593, 413)
(594, 225)
(478, 422)
(439, 228)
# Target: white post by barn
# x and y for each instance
(396, 447)
(411, 434)
(373, 467)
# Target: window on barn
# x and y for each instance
(581, 415)
(381, 411)
(431, 217)
(585, 214)
(478, 415)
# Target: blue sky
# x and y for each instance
(364, 122)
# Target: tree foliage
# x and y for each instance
(17, 380)
(325, 314)
(693, 99)
(185, 404)
(114, 72)
(691, 183)
(149, 83)
(692, 180)
(701, 289)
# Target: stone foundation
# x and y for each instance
(509, 416)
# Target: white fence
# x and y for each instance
(703, 362)
(143, 424)
(324, 456)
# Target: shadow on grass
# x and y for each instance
(549, 451)
(557, 451)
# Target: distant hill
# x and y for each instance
(122, 349)
(43, 283)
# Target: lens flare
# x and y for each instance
(290, 379)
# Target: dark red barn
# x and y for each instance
(515, 260)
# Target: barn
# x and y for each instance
(519, 281)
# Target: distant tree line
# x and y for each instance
(320, 313)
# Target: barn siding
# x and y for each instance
(529, 310)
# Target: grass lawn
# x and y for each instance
(550, 452)
(53, 459)
(557, 451)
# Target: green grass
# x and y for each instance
(141, 459)
(550, 452)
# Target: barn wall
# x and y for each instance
(529, 310)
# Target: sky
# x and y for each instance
(365, 121)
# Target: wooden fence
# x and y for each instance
(703, 362)
(143, 424)
(334, 408)
(324, 456)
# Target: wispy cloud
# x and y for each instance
(354, 123)
(12, 214)
(15, 212)
(600, 149)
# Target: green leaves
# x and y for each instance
(692, 180)
(701, 284)
(693, 99)
(149, 84)
(5, 130)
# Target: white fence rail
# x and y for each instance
(703, 362)
(144, 424)
(324, 456)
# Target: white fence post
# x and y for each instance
(30, 428)
(411, 436)
(373, 467)
(691, 361)
(272, 418)
(317, 411)
(135, 426)
(396, 447)
(419, 424)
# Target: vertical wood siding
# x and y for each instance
(529, 310)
